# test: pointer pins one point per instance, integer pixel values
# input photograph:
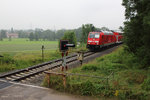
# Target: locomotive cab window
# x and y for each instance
(94, 35)
(91, 35)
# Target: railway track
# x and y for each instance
(33, 71)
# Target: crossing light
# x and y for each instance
(64, 45)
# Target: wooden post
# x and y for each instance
(48, 79)
(62, 69)
(64, 81)
(65, 61)
(63, 75)
(64, 65)
(80, 56)
(42, 52)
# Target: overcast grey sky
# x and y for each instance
(50, 14)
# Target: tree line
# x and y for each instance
(137, 29)
(40, 34)
(2, 34)
(81, 33)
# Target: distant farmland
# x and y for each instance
(22, 53)
(23, 45)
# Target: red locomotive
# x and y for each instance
(102, 39)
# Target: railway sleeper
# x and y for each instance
(32, 77)
(23, 81)
(28, 79)
(19, 75)
(9, 78)
(23, 73)
(13, 76)
(32, 71)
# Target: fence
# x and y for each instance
(65, 75)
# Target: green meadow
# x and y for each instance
(23, 45)
(22, 53)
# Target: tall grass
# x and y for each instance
(129, 82)
(25, 59)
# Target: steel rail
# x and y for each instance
(33, 73)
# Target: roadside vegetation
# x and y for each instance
(129, 81)
(22, 60)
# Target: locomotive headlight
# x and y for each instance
(96, 41)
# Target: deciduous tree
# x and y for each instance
(31, 36)
(137, 29)
(70, 35)
(85, 31)
(3, 34)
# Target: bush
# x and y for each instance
(6, 63)
(7, 59)
(70, 36)
(89, 67)
(146, 84)
(132, 95)
(135, 77)
(56, 82)
(99, 88)
(87, 88)
(6, 67)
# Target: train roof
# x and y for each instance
(118, 31)
(105, 32)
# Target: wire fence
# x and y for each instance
(81, 77)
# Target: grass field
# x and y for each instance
(22, 53)
(23, 45)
